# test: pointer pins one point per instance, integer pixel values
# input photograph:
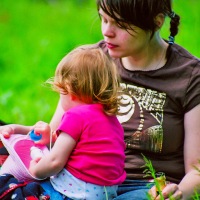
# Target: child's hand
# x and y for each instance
(6, 130)
(44, 129)
(32, 165)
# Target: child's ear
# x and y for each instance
(159, 20)
(73, 97)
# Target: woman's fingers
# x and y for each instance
(172, 191)
(153, 193)
(6, 131)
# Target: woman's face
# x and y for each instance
(121, 43)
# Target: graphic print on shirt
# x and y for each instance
(147, 106)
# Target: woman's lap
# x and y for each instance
(133, 190)
(130, 189)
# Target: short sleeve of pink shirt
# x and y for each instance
(72, 124)
(98, 156)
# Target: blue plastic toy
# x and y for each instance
(35, 137)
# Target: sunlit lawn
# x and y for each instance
(36, 34)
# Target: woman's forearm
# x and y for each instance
(10, 129)
(56, 117)
(21, 129)
(190, 184)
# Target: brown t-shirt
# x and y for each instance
(154, 103)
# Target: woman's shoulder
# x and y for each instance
(183, 54)
(181, 60)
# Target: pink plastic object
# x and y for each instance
(17, 163)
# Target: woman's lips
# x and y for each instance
(110, 45)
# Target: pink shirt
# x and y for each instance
(98, 157)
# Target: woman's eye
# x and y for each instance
(104, 20)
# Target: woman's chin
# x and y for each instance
(114, 54)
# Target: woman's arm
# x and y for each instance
(56, 117)
(191, 180)
(10, 129)
(39, 128)
(191, 152)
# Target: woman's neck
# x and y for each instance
(151, 58)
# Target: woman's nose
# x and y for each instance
(107, 30)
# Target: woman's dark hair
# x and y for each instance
(140, 13)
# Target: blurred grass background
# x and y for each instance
(36, 34)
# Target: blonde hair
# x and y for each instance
(90, 75)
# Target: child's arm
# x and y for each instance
(44, 129)
(54, 162)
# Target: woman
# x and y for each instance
(162, 85)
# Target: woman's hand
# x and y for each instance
(6, 130)
(44, 129)
(171, 191)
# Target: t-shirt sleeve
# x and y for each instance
(71, 124)
(193, 91)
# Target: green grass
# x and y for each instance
(36, 34)
(189, 30)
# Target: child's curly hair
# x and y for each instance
(90, 75)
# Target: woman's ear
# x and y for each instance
(159, 20)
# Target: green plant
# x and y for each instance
(149, 171)
(196, 196)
